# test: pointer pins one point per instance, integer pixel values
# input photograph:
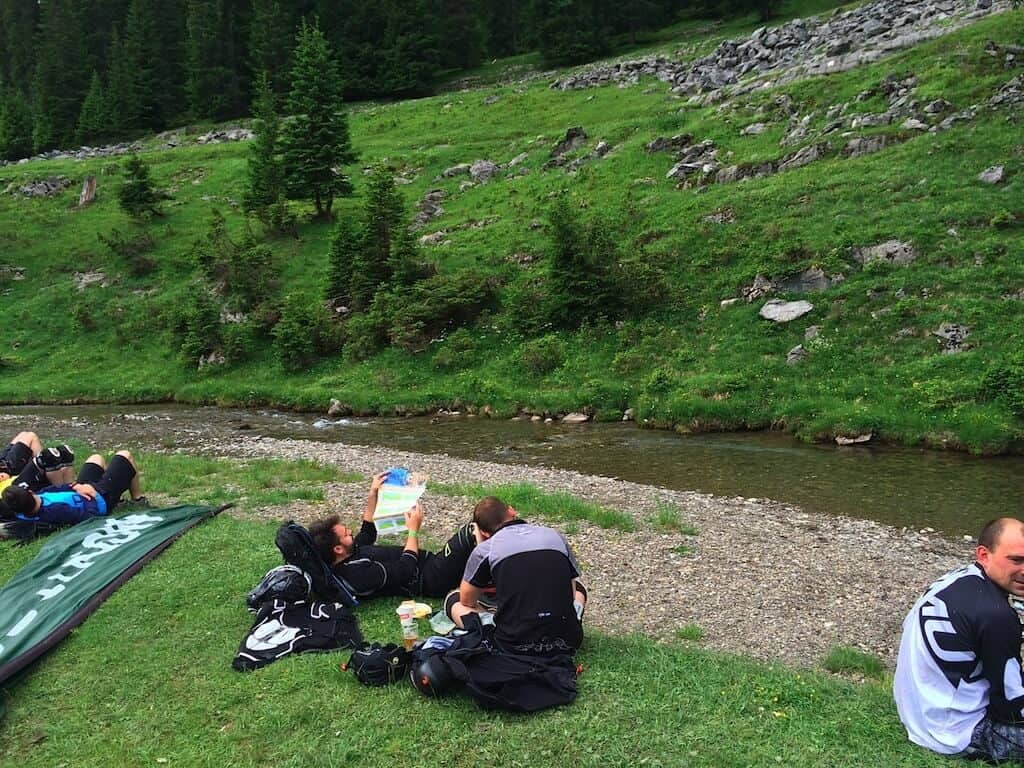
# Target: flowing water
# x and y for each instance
(951, 492)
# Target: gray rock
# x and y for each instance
(796, 354)
(938, 107)
(727, 302)
(992, 175)
(760, 288)
(812, 332)
(784, 311)
(913, 124)
(856, 440)
(575, 137)
(628, 415)
(865, 145)
(675, 143)
(335, 408)
(951, 336)
(434, 238)
(521, 157)
(891, 251)
(754, 129)
(811, 280)
(461, 169)
(482, 171)
(575, 418)
(83, 280)
(805, 156)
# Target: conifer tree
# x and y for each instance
(18, 21)
(271, 34)
(59, 84)
(316, 140)
(140, 104)
(137, 196)
(265, 173)
(212, 82)
(347, 242)
(94, 121)
(383, 216)
(15, 127)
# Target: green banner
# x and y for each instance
(76, 571)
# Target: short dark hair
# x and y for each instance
(21, 501)
(490, 514)
(324, 537)
(993, 531)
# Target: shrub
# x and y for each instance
(302, 334)
(132, 250)
(367, 332)
(457, 351)
(543, 355)
(245, 273)
(137, 196)
(1002, 220)
(433, 307)
(195, 323)
(1003, 383)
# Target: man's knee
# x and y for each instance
(98, 460)
(31, 439)
(127, 456)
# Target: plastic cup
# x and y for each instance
(410, 628)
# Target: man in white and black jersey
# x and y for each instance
(535, 578)
(958, 684)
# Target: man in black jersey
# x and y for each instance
(540, 599)
(373, 570)
(958, 685)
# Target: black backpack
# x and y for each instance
(377, 664)
(298, 549)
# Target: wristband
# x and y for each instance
(413, 534)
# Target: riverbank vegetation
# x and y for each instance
(545, 291)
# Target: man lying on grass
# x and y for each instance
(372, 570)
(96, 492)
(958, 683)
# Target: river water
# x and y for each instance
(950, 492)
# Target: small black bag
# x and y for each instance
(378, 664)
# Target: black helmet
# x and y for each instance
(286, 582)
(431, 676)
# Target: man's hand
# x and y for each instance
(414, 518)
(371, 498)
(84, 489)
(378, 481)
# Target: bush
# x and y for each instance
(132, 250)
(542, 356)
(302, 335)
(137, 196)
(435, 306)
(195, 323)
(1003, 383)
(366, 332)
(457, 351)
(244, 273)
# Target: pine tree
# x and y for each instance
(137, 196)
(463, 33)
(139, 107)
(570, 32)
(58, 86)
(347, 242)
(18, 20)
(316, 141)
(411, 55)
(265, 174)
(15, 127)
(382, 216)
(94, 121)
(271, 33)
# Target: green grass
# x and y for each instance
(531, 501)
(690, 364)
(845, 659)
(668, 517)
(690, 632)
(246, 483)
(147, 680)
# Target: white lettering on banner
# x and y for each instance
(18, 628)
(113, 534)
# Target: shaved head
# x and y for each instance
(993, 531)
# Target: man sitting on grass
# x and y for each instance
(372, 570)
(958, 684)
(540, 600)
(96, 492)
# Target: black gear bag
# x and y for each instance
(378, 664)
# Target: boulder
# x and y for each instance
(951, 336)
(575, 418)
(864, 145)
(796, 354)
(335, 408)
(754, 129)
(784, 311)
(992, 175)
(892, 251)
(856, 440)
(673, 144)
(482, 171)
(575, 137)
(760, 288)
(811, 280)
(456, 170)
(812, 332)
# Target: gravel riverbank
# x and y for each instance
(759, 578)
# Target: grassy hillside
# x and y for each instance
(679, 358)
